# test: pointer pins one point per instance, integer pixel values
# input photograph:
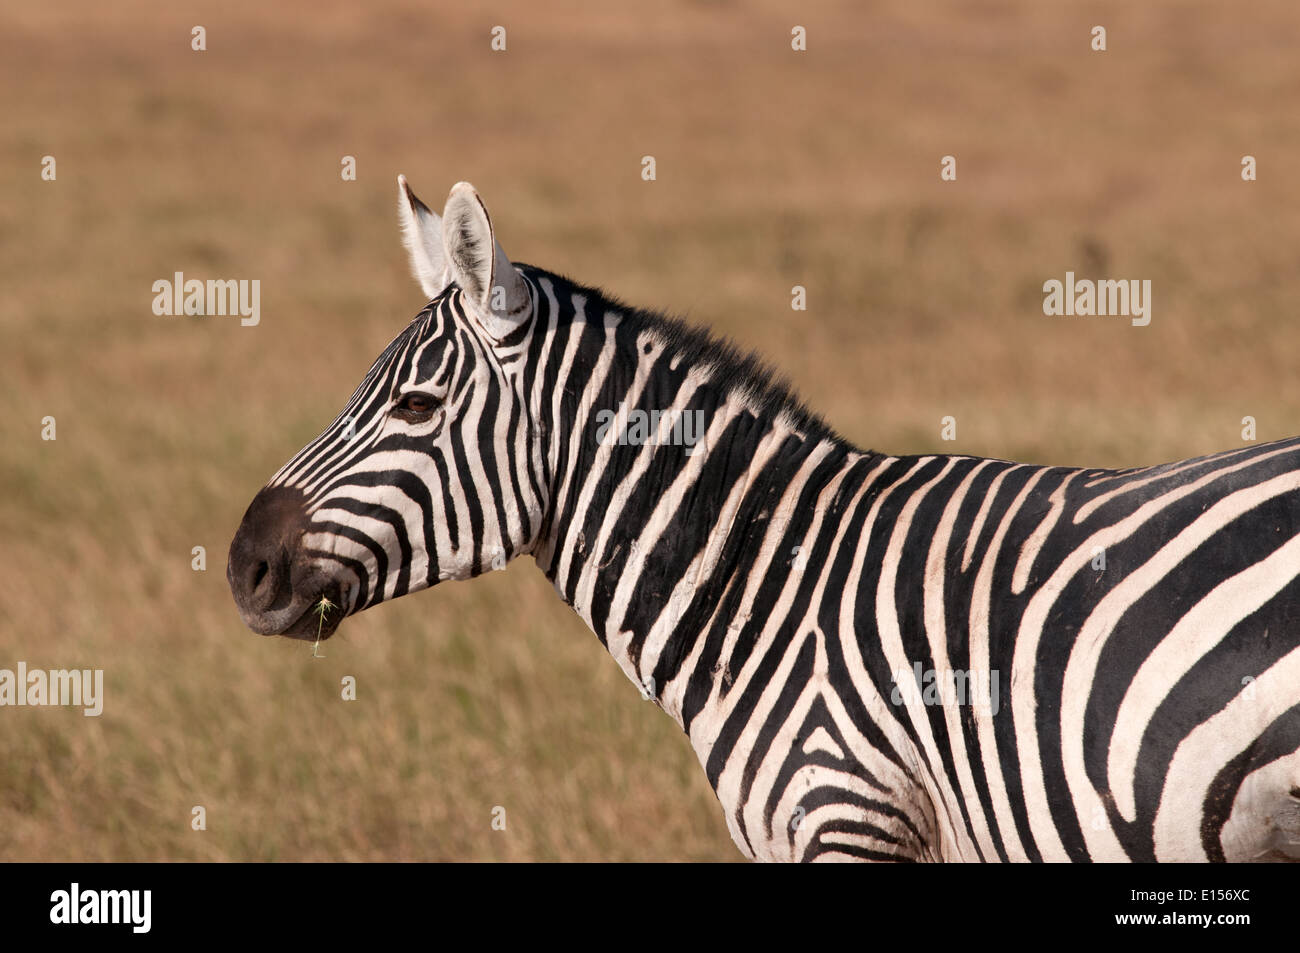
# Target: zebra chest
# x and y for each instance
(798, 779)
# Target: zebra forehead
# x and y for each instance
(414, 347)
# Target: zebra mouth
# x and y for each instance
(321, 619)
(279, 589)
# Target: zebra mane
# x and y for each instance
(737, 370)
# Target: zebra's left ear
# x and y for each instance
(490, 282)
(422, 236)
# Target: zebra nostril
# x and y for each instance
(265, 580)
(271, 587)
(262, 553)
(259, 589)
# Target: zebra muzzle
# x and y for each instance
(277, 590)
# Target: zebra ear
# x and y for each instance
(422, 236)
(477, 263)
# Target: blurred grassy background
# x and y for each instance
(774, 169)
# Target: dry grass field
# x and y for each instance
(774, 168)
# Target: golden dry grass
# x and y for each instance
(774, 169)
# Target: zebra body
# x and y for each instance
(1125, 642)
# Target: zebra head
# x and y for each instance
(431, 470)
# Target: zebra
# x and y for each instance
(875, 657)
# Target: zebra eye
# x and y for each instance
(416, 407)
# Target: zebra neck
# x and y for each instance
(666, 551)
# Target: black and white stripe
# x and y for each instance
(768, 587)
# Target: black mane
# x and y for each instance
(737, 370)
